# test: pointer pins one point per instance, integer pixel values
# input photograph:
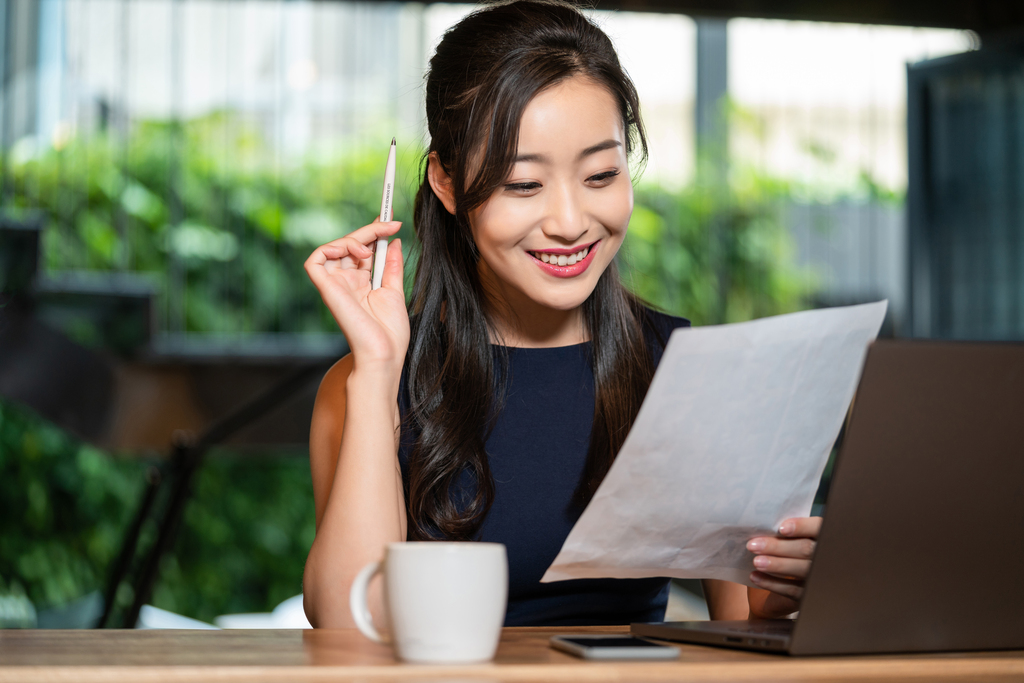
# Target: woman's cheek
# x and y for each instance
(497, 224)
(615, 213)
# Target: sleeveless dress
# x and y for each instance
(536, 453)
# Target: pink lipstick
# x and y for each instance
(566, 270)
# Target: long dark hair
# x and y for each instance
(484, 73)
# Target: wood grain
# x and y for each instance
(524, 655)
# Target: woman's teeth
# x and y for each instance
(562, 259)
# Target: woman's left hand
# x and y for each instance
(781, 565)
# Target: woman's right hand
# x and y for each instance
(375, 322)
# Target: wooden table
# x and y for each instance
(524, 655)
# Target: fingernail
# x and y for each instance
(761, 562)
(755, 544)
(787, 528)
(755, 577)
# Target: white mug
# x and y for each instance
(445, 601)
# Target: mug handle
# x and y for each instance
(357, 602)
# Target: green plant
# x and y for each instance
(205, 209)
(243, 544)
(715, 254)
(63, 509)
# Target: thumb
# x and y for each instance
(394, 268)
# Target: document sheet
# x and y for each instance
(731, 440)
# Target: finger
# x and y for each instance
(337, 250)
(783, 567)
(324, 266)
(354, 244)
(785, 587)
(800, 527)
(346, 249)
(359, 255)
(355, 248)
(317, 258)
(368, 234)
(358, 246)
(340, 299)
(800, 548)
(394, 268)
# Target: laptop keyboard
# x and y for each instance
(763, 629)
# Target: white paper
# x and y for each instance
(730, 441)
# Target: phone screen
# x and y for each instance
(611, 641)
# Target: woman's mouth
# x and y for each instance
(559, 264)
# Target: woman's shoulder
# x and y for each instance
(329, 407)
(658, 326)
(337, 376)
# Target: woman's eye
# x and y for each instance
(522, 188)
(603, 178)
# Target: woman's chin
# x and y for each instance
(563, 301)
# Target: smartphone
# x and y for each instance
(613, 647)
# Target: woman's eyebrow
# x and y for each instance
(599, 147)
(533, 158)
(593, 149)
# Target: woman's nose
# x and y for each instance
(565, 219)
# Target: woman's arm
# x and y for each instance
(781, 567)
(357, 485)
(357, 491)
(733, 601)
(726, 600)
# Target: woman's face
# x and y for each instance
(561, 216)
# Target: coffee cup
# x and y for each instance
(445, 602)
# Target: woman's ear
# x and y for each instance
(440, 182)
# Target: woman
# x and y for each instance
(492, 409)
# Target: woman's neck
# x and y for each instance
(519, 321)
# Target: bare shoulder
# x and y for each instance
(326, 429)
(332, 387)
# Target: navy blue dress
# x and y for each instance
(537, 451)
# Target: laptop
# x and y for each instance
(922, 544)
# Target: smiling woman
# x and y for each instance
(493, 409)
(565, 206)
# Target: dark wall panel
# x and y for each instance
(966, 195)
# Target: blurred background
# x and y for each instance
(167, 166)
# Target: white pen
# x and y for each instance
(387, 209)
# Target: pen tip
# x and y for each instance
(392, 141)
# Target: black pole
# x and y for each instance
(124, 560)
(186, 460)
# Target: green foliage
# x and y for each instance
(63, 509)
(224, 228)
(210, 213)
(715, 254)
(248, 528)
